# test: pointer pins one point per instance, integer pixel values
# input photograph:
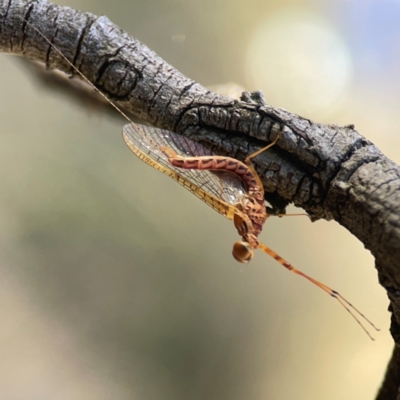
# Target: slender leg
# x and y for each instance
(273, 143)
(250, 165)
(289, 215)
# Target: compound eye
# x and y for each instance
(242, 252)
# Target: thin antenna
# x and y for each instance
(353, 311)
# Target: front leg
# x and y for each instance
(255, 154)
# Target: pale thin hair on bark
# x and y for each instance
(331, 171)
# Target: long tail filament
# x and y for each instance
(353, 311)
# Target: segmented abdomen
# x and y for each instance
(217, 163)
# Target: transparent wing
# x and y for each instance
(223, 189)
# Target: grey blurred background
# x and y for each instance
(116, 283)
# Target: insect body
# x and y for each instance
(229, 186)
(250, 214)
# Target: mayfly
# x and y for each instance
(231, 187)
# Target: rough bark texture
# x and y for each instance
(330, 171)
(390, 386)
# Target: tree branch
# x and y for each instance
(331, 171)
(390, 386)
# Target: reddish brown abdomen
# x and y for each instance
(217, 163)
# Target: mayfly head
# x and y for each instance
(242, 252)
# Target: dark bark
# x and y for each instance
(331, 171)
(390, 386)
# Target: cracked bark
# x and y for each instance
(330, 171)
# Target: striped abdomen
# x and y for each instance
(217, 163)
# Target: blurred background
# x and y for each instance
(116, 283)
